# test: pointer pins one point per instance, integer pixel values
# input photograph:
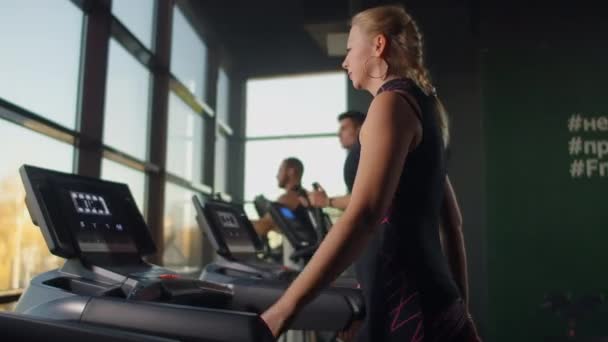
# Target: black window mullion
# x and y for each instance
(159, 124)
(211, 127)
(236, 117)
(93, 87)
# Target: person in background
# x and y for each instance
(348, 133)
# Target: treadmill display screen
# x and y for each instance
(84, 217)
(232, 229)
(89, 204)
(228, 220)
(97, 223)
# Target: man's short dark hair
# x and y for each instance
(354, 115)
(296, 164)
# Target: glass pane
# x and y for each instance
(136, 180)
(182, 236)
(127, 97)
(323, 160)
(221, 166)
(223, 97)
(8, 307)
(40, 57)
(296, 104)
(185, 141)
(137, 16)
(188, 55)
(23, 252)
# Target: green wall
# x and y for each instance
(546, 230)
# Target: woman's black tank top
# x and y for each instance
(403, 273)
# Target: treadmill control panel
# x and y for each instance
(82, 216)
(297, 228)
(227, 227)
(98, 230)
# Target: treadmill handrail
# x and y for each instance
(17, 327)
(186, 323)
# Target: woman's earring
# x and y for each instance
(378, 69)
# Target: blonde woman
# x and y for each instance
(390, 227)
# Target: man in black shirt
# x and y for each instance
(350, 125)
(289, 178)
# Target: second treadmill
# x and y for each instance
(231, 233)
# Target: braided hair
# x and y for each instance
(405, 55)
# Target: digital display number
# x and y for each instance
(227, 219)
(89, 204)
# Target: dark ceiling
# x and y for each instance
(272, 37)
(269, 37)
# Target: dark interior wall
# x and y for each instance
(546, 227)
(357, 99)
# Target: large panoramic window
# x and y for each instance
(303, 105)
(40, 57)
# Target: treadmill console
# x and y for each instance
(96, 221)
(227, 227)
(296, 228)
(82, 216)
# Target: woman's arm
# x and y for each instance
(386, 137)
(451, 223)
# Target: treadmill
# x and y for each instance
(236, 243)
(306, 236)
(96, 226)
(16, 327)
(232, 235)
(303, 233)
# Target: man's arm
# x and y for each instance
(264, 225)
(319, 199)
(340, 202)
(451, 224)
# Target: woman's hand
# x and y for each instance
(277, 318)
